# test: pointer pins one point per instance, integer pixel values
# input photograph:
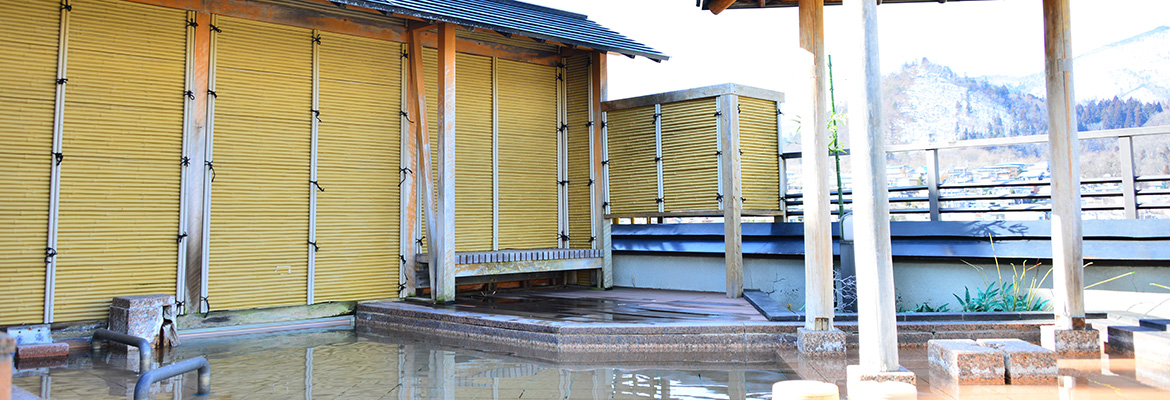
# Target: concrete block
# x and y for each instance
(47, 350)
(965, 361)
(1071, 343)
(1152, 346)
(143, 301)
(830, 343)
(1025, 363)
(140, 316)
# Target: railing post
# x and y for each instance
(932, 179)
(1128, 186)
(783, 185)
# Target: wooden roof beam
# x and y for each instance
(717, 6)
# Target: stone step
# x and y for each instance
(1122, 338)
(1138, 319)
(1155, 323)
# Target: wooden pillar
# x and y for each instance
(197, 150)
(728, 107)
(599, 91)
(1067, 263)
(878, 344)
(408, 190)
(444, 250)
(818, 235)
(418, 112)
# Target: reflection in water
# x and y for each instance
(341, 365)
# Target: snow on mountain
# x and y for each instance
(1138, 68)
(927, 102)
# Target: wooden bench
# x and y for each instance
(475, 267)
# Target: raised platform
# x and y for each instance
(588, 325)
(585, 325)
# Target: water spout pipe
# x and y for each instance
(142, 388)
(143, 345)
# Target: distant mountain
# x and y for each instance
(1117, 86)
(927, 102)
(1137, 68)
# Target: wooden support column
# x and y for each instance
(418, 112)
(732, 189)
(408, 190)
(443, 254)
(878, 344)
(599, 93)
(196, 152)
(1067, 263)
(818, 234)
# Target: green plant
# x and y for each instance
(926, 307)
(984, 300)
(1018, 293)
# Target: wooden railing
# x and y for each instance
(903, 197)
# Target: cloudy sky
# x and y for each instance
(756, 46)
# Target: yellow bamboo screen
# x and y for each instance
(358, 151)
(527, 155)
(122, 140)
(473, 146)
(473, 153)
(28, 67)
(760, 160)
(633, 173)
(577, 79)
(260, 197)
(690, 176)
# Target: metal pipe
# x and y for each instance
(143, 345)
(142, 388)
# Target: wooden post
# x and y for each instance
(408, 190)
(732, 192)
(422, 137)
(932, 182)
(818, 234)
(444, 250)
(599, 91)
(198, 151)
(878, 343)
(1128, 175)
(1067, 263)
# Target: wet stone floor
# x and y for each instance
(342, 365)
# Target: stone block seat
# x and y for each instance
(966, 361)
(1025, 363)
